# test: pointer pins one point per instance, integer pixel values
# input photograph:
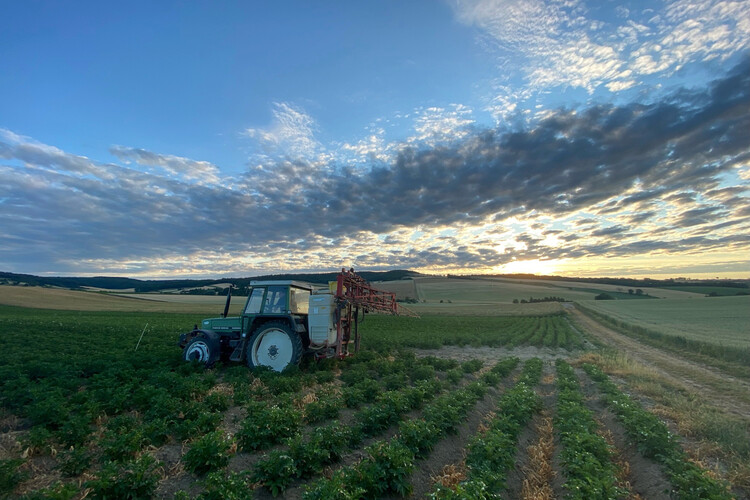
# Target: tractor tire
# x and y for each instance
(275, 345)
(202, 349)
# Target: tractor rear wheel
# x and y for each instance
(202, 349)
(275, 345)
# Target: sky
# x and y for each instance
(210, 139)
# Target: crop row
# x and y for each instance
(655, 441)
(435, 332)
(547, 331)
(389, 464)
(586, 457)
(491, 454)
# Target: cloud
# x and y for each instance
(641, 217)
(467, 203)
(201, 171)
(610, 231)
(436, 125)
(291, 132)
(585, 221)
(371, 148)
(700, 215)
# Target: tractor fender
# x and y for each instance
(208, 334)
(259, 322)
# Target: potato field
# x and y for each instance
(541, 414)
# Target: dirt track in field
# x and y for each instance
(713, 386)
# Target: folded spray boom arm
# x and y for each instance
(353, 293)
(356, 291)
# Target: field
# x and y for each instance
(476, 291)
(694, 319)
(662, 293)
(57, 298)
(721, 291)
(476, 398)
(434, 332)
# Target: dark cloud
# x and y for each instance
(744, 211)
(610, 231)
(585, 222)
(701, 215)
(713, 228)
(571, 237)
(641, 217)
(681, 198)
(727, 193)
(62, 209)
(645, 196)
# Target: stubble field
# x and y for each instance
(479, 398)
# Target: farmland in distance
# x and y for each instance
(77, 300)
(475, 396)
(718, 320)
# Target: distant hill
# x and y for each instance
(117, 283)
(632, 282)
(241, 284)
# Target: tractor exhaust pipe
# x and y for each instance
(229, 299)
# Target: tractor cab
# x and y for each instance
(278, 297)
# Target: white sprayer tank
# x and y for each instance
(320, 320)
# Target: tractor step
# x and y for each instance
(237, 353)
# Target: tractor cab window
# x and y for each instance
(255, 301)
(299, 300)
(275, 300)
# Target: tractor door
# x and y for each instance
(252, 308)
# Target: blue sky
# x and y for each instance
(235, 138)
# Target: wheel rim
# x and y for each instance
(272, 348)
(198, 351)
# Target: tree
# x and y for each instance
(630, 291)
(638, 291)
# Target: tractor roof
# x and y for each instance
(298, 284)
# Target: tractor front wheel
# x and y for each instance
(275, 345)
(202, 349)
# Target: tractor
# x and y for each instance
(284, 320)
